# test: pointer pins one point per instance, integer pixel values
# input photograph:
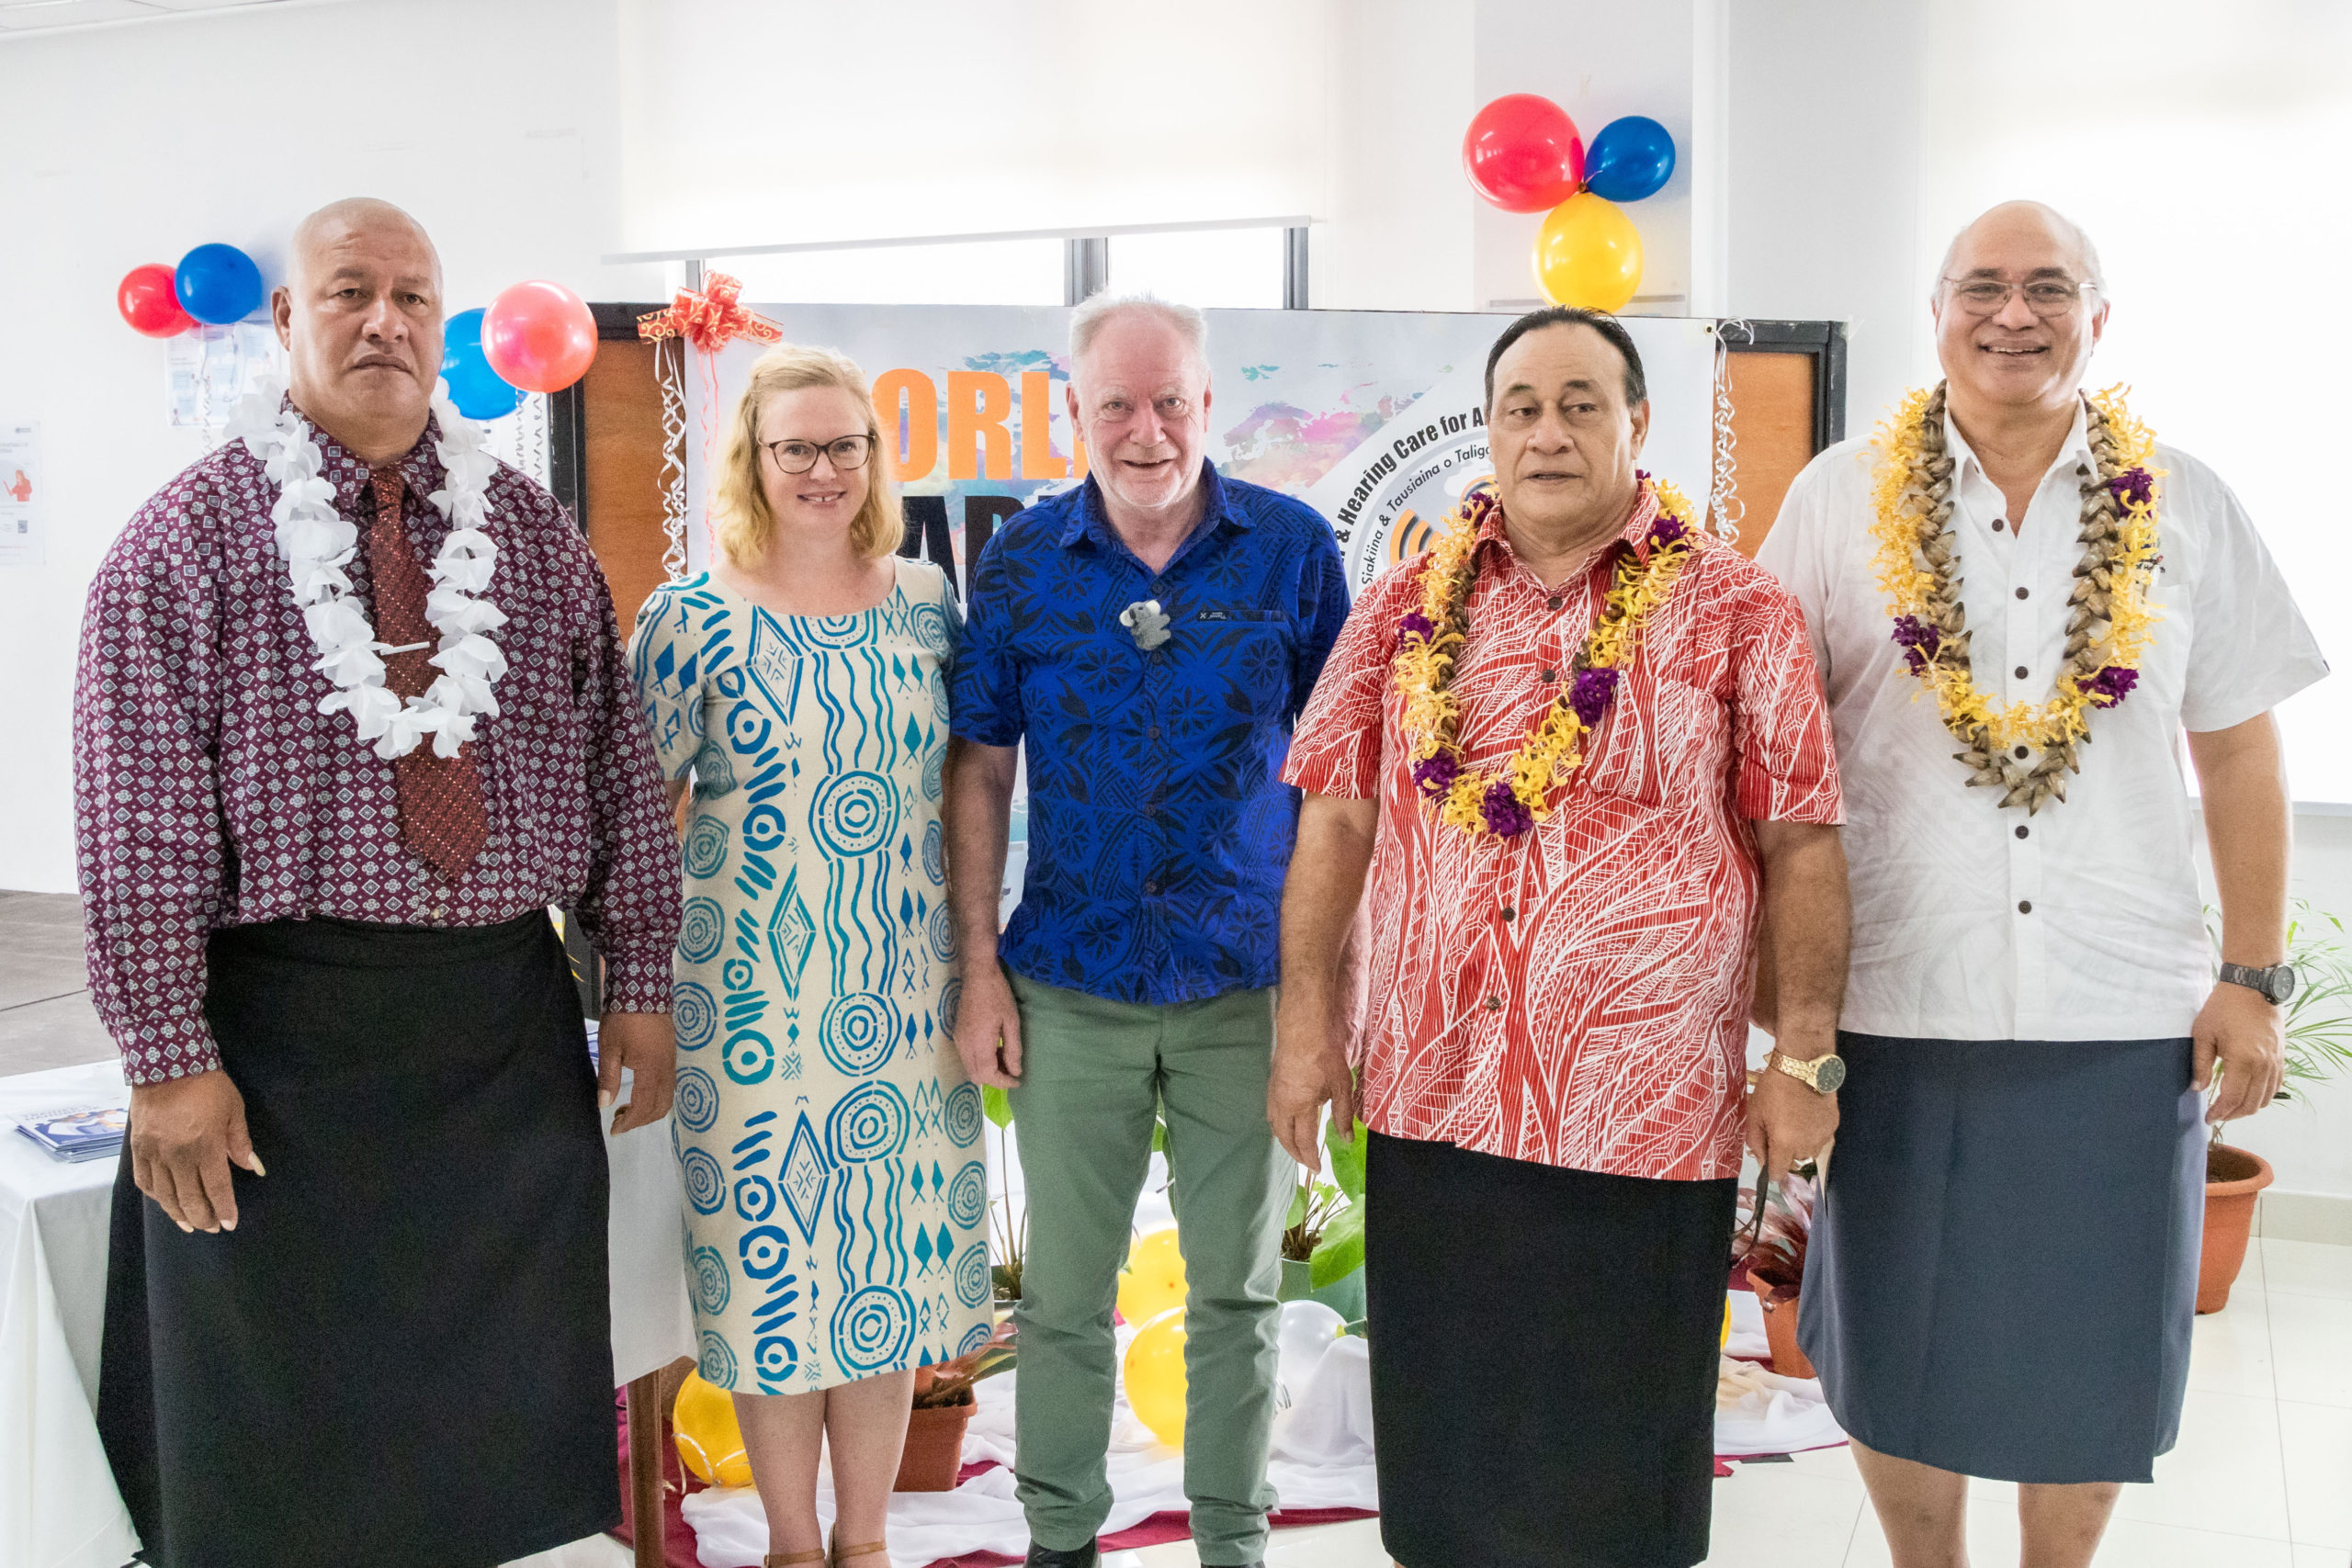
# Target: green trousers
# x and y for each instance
(1093, 1072)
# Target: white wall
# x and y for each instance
(491, 122)
(1826, 148)
(1599, 62)
(1397, 230)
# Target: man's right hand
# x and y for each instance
(988, 1027)
(1310, 1067)
(185, 1133)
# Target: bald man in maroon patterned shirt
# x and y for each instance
(356, 1303)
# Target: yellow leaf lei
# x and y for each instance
(2027, 749)
(1510, 800)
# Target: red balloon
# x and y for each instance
(150, 303)
(1522, 153)
(540, 336)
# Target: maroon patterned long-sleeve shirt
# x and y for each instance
(212, 792)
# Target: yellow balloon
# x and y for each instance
(1726, 1338)
(1154, 1279)
(709, 1442)
(1588, 254)
(1155, 1371)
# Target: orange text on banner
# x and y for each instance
(979, 442)
(909, 439)
(978, 403)
(1038, 458)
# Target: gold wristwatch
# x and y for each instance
(1822, 1073)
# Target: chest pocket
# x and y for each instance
(1254, 647)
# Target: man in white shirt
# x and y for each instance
(2003, 1265)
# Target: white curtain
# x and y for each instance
(752, 123)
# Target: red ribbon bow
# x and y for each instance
(709, 320)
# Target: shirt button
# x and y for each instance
(2021, 829)
(1998, 524)
(1151, 887)
(2025, 905)
(1494, 1004)
(2023, 753)
(2021, 593)
(1551, 675)
(1509, 913)
(1553, 603)
(1151, 811)
(2021, 671)
(1152, 734)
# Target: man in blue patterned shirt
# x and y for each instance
(1150, 636)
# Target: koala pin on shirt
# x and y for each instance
(1146, 623)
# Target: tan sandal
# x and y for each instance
(868, 1549)
(787, 1559)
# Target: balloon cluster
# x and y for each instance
(1522, 153)
(213, 284)
(534, 337)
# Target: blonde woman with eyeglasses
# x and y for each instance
(827, 1136)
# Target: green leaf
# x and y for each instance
(1340, 1252)
(1297, 1207)
(1348, 1157)
(1159, 1137)
(996, 1105)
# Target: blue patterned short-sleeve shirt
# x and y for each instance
(1159, 828)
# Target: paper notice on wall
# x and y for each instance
(207, 369)
(21, 500)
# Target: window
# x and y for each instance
(1233, 269)
(991, 272)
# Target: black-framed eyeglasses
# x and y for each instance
(2045, 297)
(845, 452)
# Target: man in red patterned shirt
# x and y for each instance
(326, 957)
(1553, 1040)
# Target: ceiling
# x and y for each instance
(36, 16)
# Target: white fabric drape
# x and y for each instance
(932, 118)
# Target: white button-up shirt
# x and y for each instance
(1973, 921)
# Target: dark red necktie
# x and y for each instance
(443, 818)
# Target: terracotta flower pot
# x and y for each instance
(1779, 1305)
(934, 1450)
(2233, 1177)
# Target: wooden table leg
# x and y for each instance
(645, 1468)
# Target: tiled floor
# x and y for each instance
(2262, 1477)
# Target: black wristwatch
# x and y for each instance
(2276, 983)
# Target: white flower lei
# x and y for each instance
(317, 544)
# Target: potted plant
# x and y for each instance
(1775, 1264)
(944, 1401)
(1322, 1246)
(2318, 1028)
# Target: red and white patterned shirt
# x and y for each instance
(1576, 995)
(210, 792)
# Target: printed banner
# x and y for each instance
(1375, 418)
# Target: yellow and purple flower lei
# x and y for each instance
(1509, 801)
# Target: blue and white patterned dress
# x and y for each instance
(830, 1144)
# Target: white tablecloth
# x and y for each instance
(59, 1507)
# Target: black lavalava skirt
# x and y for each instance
(401, 1356)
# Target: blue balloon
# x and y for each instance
(474, 387)
(1629, 159)
(218, 284)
